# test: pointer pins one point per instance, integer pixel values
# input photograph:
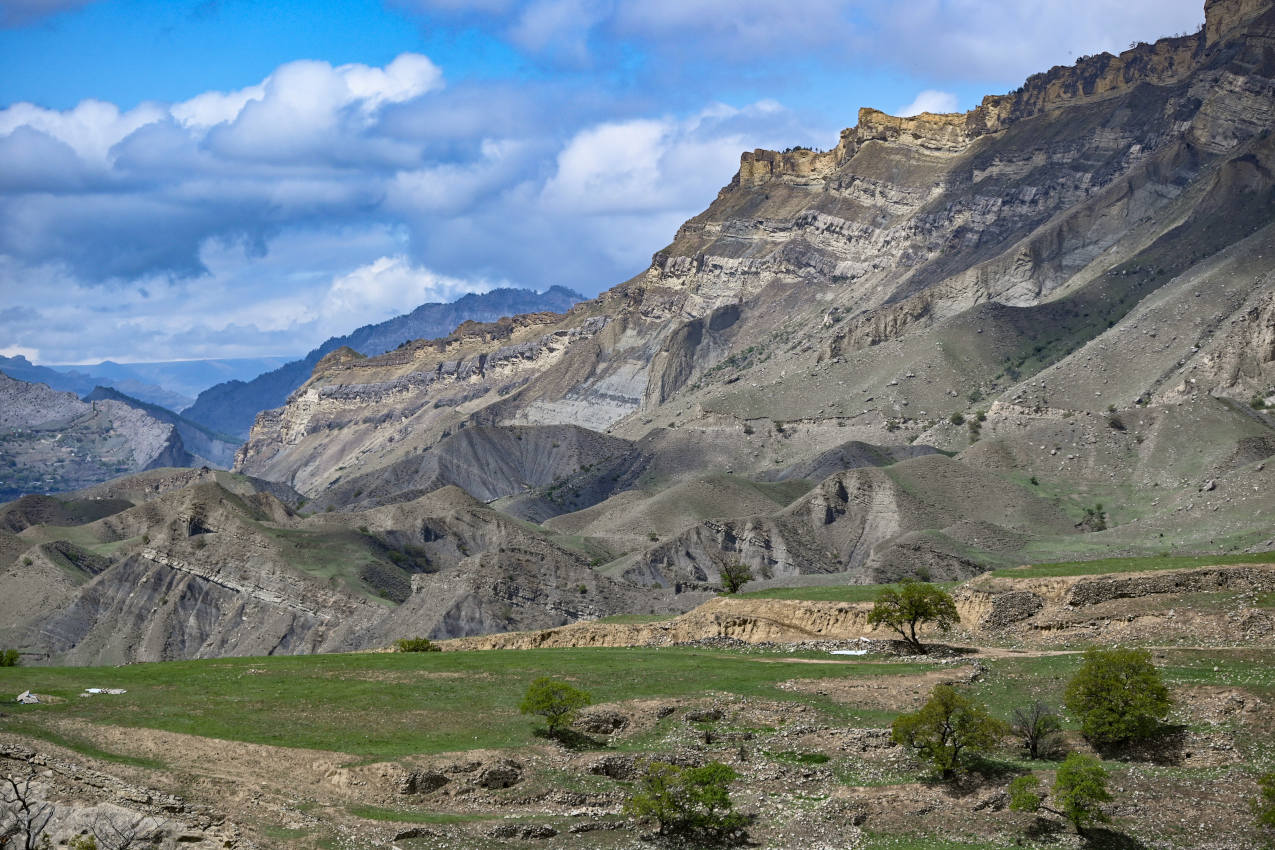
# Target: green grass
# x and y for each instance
(1013, 682)
(829, 593)
(1131, 565)
(386, 705)
(406, 816)
(77, 744)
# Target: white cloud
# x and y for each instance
(385, 288)
(930, 100)
(32, 354)
(264, 219)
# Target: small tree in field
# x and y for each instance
(1039, 728)
(692, 801)
(557, 702)
(735, 576)
(1118, 696)
(9, 658)
(948, 729)
(1080, 788)
(912, 604)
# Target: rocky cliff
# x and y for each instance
(52, 442)
(1099, 238)
(231, 406)
(1043, 329)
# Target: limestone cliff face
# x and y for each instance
(863, 292)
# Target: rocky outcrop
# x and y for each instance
(51, 442)
(231, 407)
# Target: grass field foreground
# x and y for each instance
(387, 705)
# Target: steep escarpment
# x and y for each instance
(52, 442)
(230, 407)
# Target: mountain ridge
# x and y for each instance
(231, 406)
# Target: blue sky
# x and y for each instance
(219, 178)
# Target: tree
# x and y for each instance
(912, 604)
(1264, 804)
(735, 576)
(1080, 787)
(1118, 696)
(557, 702)
(10, 658)
(1039, 727)
(948, 729)
(688, 800)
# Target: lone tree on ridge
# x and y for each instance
(912, 604)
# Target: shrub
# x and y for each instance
(693, 801)
(956, 419)
(1257, 402)
(1080, 787)
(1039, 727)
(417, 644)
(912, 604)
(947, 730)
(734, 576)
(1116, 422)
(556, 701)
(10, 658)
(1118, 696)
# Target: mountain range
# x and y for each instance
(1040, 330)
(231, 406)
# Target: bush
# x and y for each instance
(10, 658)
(418, 644)
(556, 701)
(688, 800)
(1118, 696)
(1257, 402)
(912, 604)
(1039, 727)
(947, 730)
(1080, 787)
(734, 576)
(956, 419)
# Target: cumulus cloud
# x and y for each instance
(264, 219)
(930, 100)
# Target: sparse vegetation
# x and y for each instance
(948, 730)
(693, 802)
(1118, 696)
(417, 644)
(1040, 729)
(556, 701)
(1080, 789)
(1264, 805)
(734, 576)
(912, 604)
